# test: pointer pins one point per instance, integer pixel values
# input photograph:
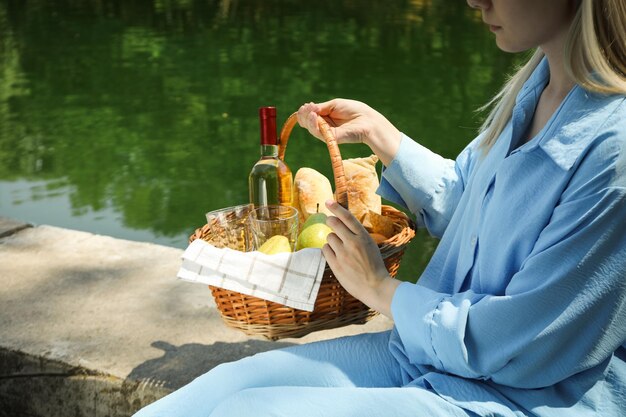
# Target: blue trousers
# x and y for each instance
(349, 376)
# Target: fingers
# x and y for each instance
(304, 111)
(339, 228)
(347, 219)
(326, 108)
(307, 118)
(329, 255)
(345, 118)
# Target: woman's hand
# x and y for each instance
(353, 122)
(356, 261)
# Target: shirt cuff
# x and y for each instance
(431, 326)
(413, 308)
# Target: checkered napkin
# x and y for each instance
(291, 279)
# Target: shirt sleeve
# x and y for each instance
(564, 310)
(429, 185)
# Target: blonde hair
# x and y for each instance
(594, 56)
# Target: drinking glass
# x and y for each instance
(229, 228)
(268, 221)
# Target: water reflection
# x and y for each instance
(141, 116)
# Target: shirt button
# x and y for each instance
(473, 241)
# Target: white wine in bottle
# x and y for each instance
(270, 181)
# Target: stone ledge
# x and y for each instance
(31, 386)
(10, 226)
(96, 326)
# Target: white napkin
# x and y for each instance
(291, 279)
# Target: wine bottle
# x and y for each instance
(270, 179)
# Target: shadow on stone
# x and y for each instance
(179, 365)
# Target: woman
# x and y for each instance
(522, 308)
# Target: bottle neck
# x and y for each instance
(267, 117)
(269, 151)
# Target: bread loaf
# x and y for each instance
(310, 189)
(362, 182)
(379, 224)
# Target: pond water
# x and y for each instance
(134, 118)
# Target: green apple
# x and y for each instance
(315, 218)
(313, 236)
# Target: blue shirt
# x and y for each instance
(522, 308)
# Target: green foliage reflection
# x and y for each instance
(149, 106)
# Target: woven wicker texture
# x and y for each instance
(334, 306)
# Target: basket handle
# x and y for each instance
(341, 188)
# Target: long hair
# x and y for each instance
(594, 56)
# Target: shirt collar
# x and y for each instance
(537, 80)
(567, 131)
(576, 125)
(573, 126)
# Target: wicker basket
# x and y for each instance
(334, 307)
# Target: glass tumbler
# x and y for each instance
(268, 221)
(229, 228)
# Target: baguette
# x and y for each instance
(311, 190)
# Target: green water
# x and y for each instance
(134, 118)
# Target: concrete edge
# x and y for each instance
(10, 227)
(58, 386)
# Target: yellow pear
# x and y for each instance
(275, 244)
